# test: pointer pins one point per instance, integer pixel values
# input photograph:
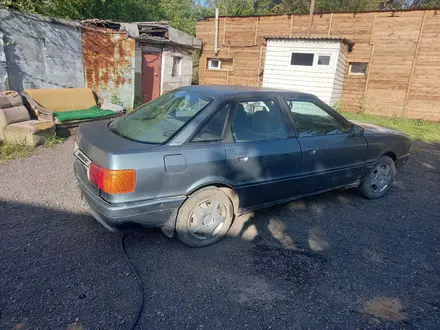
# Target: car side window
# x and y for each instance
(215, 128)
(257, 120)
(311, 120)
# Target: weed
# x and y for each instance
(10, 151)
(52, 140)
(115, 99)
(137, 102)
(338, 106)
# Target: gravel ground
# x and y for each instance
(333, 261)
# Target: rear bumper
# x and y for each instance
(402, 160)
(119, 217)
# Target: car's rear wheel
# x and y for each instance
(205, 217)
(378, 182)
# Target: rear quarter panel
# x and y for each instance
(171, 171)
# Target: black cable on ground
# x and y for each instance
(139, 280)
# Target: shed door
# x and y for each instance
(151, 69)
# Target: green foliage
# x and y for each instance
(244, 7)
(25, 5)
(10, 151)
(410, 4)
(137, 102)
(182, 14)
(303, 6)
(338, 106)
(196, 65)
(52, 140)
(115, 99)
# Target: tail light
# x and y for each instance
(112, 181)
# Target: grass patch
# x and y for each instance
(10, 151)
(52, 140)
(422, 130)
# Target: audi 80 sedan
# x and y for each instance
(196, 157)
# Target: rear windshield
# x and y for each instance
(158, 120)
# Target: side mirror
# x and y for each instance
(357, 130)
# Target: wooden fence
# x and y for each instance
(402, 50)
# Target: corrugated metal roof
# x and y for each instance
(343, 40)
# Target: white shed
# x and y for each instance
(310, 65)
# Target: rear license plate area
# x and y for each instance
(82, 157)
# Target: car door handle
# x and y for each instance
(311, 151)
(243, 159)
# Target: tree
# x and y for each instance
(24, 5)
(302, 6)
(183, 14)
(242, 7)
(411, 4)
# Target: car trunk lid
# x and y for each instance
(96, 143)
(100, 144)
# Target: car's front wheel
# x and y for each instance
(378, 182)
(205, 217)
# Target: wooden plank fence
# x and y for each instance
(402, 50)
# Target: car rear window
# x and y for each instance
(158, 120)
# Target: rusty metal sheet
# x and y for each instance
(109, 63)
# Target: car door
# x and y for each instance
(261, 160)
(204, 152)
(332, 154)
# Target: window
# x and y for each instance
(215, 128)
(214, 64)
(312, 120)
(257, 121)
(324, 60)
(176, 66)
(219, 64)
(359, 68)
(304, 59)
(158, 120)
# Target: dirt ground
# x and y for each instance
(335, 261)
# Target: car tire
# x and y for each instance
(205, 217)
(378, 182)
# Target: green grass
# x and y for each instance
(9, 151)
(136, 104)
(422, 130)
(52, 140)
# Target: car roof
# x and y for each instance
(231, 91)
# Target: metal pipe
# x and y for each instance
(216, 50)
(312, 8)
